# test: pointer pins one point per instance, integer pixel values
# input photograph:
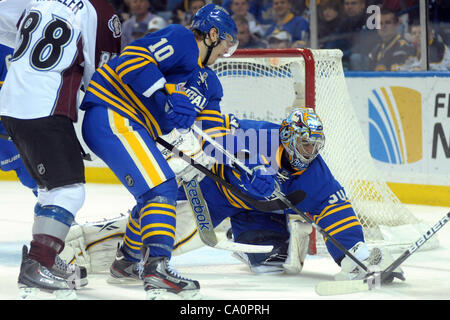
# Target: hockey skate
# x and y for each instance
(163, 283)
(271, 265)
(76, 276)
(38, 282)
(123, 271)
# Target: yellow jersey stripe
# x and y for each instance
(134, 67)
(338, 223)
(158, 233)
(131, 61)
(158, 225)
(111, 102)
(137, 149)
(327, 213)
(132, 106)
(137, 103)
(166, 213)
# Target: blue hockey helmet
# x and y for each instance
(215, 16)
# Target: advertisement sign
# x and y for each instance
(406, 120)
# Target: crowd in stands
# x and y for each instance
(388, 42)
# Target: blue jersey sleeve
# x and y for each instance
(5, 57)
(159, 57)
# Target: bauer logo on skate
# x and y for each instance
(395, 125)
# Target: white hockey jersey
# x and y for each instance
(61, 43)
(10, 12)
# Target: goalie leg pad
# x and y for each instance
(298, 246)
(271, 262)
(93, 245)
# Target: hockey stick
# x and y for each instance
(376, 279)
(261, 205)
(280, 195)
(205, 226)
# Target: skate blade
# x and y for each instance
(124, 280)
(162, 294)
(38, 294)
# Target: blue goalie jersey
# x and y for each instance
(325, 200)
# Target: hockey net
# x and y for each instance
(265, 84)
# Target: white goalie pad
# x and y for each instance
(185, 141)
(93, 245)
(298, 245)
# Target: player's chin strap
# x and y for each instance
(210, 49)
(280, 195)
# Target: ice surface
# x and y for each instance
(221, 276)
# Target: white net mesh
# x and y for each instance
(262, 88)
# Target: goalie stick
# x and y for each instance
(280, 195)
(205, 226)
(376, 279)
(261, 205)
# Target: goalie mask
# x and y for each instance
(301, 134)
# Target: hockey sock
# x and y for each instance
(157, 221)
(44, 248)
(132, 242)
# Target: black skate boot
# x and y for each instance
(38, 282)
(163, 283)
(123, 271)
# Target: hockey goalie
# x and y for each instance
(114, 245)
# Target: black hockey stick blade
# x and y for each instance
(388, 273)
(261, 205)
(376, 279)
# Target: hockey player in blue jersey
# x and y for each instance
(137, 97)
(294, 156)
(9, 156)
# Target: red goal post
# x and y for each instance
(264, 84)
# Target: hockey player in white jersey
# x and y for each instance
(57, 48)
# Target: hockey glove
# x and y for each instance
(179, 109)
(261, 183)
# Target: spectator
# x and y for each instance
(138, 21)
(157, 23)
(329, 22)
(184, 12)
(261, 10)
(280, 40)
(139, 30)
(438, 52)
(358, 38)
(246, 39)
(122, 8)
(285, 20)
(240, 8)
(392, 51)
